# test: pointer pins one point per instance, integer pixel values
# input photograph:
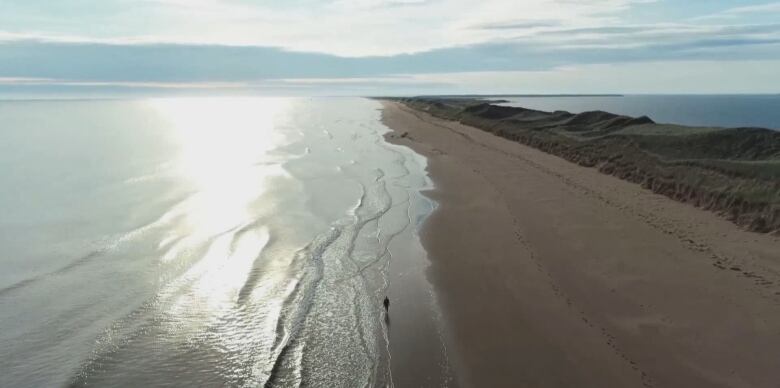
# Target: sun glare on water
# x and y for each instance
(225, 147)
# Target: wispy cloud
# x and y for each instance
(742, 11)
(519, 25)
(769, 7)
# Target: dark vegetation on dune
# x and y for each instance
(732, 171)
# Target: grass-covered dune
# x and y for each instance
(733, 171)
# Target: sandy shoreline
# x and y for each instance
(555, 275)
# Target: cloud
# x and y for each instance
(519, 25)
(769, 7)
(742, 11)
(626, 78)
(342, 27)
(178, 63)
(356, 44)
(375, 4)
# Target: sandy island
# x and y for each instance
(555, 275)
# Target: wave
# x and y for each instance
(175, 211)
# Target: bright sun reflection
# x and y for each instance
(225, 155)
(224, 144)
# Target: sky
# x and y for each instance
(389, 47)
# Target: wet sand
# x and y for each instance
(555, 275)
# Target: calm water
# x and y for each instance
(204, 241)
(698, 110)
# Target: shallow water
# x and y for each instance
(697, 110)
(201, 241)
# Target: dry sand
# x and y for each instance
(555, 275)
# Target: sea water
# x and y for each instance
(200, 241)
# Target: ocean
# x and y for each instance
(761, 111)
(205, 242)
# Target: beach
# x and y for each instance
(551, 274)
